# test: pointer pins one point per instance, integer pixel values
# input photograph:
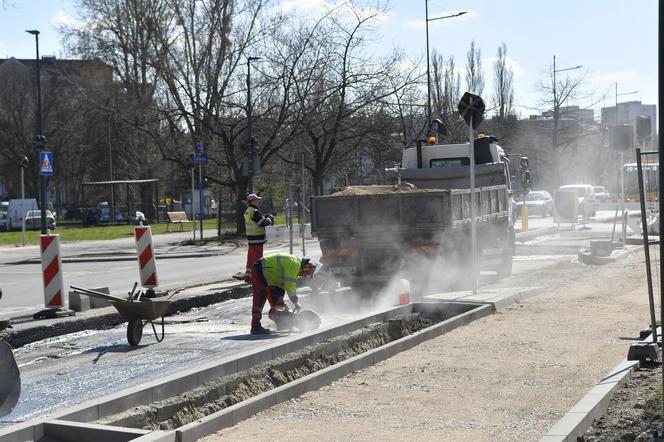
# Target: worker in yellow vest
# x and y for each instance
(254, 224)
(272, 276)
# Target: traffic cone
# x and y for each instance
(404, 292)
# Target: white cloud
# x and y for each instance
(517, 69)
(306, 8)
(61, 18)
(420, 24)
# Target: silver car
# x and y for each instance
(538, 202)
(33, 219)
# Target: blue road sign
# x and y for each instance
(199, 158)
(45, 163)
(199, 147)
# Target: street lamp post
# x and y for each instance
(251, 141)
(556, 115)
(40, 135)
(622, 173)
(22, 165)
(427, 20)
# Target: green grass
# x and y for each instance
(100, 232)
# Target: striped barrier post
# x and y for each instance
(147, 265)
(52, 270)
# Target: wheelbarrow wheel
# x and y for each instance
(134, 331)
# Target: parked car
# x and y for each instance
(33, 219)
(538, 202)
(92, 217)
(4, 222)
(601, 194)
(585, 194)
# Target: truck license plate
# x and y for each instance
(340, 270)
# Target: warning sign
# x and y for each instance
(45, 163)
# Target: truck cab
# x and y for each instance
(452, 155)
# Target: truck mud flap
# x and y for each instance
(10, 380)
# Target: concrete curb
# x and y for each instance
(75, 420)
(576, 421)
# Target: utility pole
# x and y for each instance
(556, 119)
(427, 20)
(39, 138)
(251, 141)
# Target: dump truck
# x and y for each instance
(421, 224)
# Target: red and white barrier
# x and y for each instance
(52, 270)
(147, 265)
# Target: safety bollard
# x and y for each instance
(51, 262)
(147, 265)
(524, 218)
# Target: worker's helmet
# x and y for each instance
(308, 268)
(253, 197)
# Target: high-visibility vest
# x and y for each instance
(281, 270)
(255, 233)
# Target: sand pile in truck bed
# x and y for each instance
(377, 190)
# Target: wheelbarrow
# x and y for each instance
(138, 310)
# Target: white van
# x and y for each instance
(17, 209)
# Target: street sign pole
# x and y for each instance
(22, 208)
(193, 217)
(473, 222)
(200, 197)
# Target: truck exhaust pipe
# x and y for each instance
(419, 154)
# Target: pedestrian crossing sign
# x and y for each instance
(45, 163)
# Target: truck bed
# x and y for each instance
(380, 209)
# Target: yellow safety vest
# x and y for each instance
(281, 270)
(255, 233)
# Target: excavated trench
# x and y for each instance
(226, 391)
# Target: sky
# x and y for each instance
(614, 40)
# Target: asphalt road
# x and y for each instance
(22, 288)
(21, 283)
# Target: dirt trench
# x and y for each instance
(229, 390)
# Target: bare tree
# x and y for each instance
(338, 86)
(474, 75)
(446, 95)
(503, 84)
(556, 92)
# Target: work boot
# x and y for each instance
(260, 330)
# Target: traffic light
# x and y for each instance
(643, 127)
(622, 137)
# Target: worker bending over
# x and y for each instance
(272, 276)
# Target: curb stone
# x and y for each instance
(576, 421)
